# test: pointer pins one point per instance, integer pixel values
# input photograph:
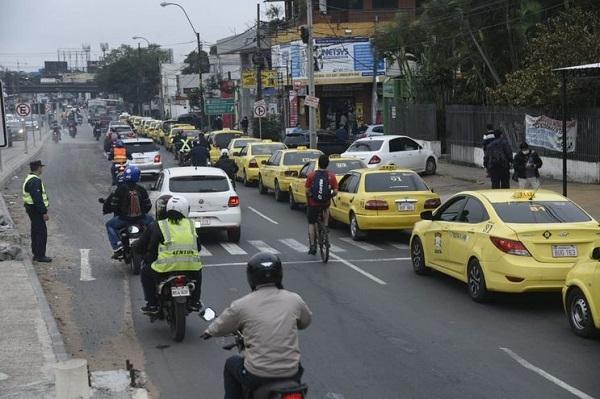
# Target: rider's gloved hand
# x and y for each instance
(205, 336)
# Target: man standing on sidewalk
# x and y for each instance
(36, 206)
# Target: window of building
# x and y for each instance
(341, 5)
(385, 4)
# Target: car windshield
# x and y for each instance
(367, 145)
(241, 143)
(266, 149)
(121, 128)
(394, 181)
(540, 212)
(295, 139)
(221, 140)
(343, 167)
(140, 147)
(198, 184)
(299, 158)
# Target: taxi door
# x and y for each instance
(298, 183)
(342, 202)
(269, 170)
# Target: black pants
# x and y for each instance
(39, 232)
(150, 278)
(500, 177)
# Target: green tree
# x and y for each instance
(192, 63)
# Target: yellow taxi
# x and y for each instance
(276, 172)
(154, 128)
(144, 125)
(236, 145)
(581, 295)
(383, 198)
(174, 130)
(504, 240)
(339, 166)
(136, 121)
(220, 139)
(251, 156)
(165, 129)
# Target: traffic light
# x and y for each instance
(304, 33)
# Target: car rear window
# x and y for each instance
(266, 149)
(394, 181)
(295, 139)
(540, 212)
(198, 184)
(241, 143)
(342, 167)
(141, 147)
(222, 140)
(367, 145)
(299, 158)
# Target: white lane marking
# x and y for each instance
(294, 244)
(233, 249)
(302, 262)
(335, 248)
(362, 245)
(400, 246)
(546, 375)
(262, 215)
(262, 246)
(204, 251)
(358, 269)
(86, 268)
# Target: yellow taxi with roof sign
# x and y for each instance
(276, 172)
(338, 165)
(154, 129)
(250, 157)
(173, 132)
(504, 240)
(219, 139)
(383, 198)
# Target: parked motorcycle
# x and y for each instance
(283, 389)
(174, 293)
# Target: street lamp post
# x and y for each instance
(199, 44)
(143, 38)
(161, 110)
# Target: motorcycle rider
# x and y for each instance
(119, 155)
(131, 203)
(200, 154)
(270, 318)
(162, 244)
(184, 147)
(56, 130)
(228, 165)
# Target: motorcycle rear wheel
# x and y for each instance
(177, 317)
(136, 264)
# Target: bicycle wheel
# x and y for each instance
(323, 241)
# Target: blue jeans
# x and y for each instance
(115, 224)
(235, 376)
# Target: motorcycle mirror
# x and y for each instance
(208, 314)
(101, 200)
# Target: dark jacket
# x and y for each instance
(504, 146)
(487, 139)
(521, 160)
(228, 165)
(148, 243)
(200, 155)
(34, 188)
(120, 196)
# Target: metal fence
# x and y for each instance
(414, 120)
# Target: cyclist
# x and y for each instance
(321, 186)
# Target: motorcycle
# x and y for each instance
(72, 130)
(174, 292)
(283, 389)
(97, 132)
(185, 158)
(55, 136)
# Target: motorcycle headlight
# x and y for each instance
(20, 131)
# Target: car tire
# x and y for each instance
(234, 235)
(261, 187)
(430, 166)
(279, 195)
(476, 282)
(245, 179)
(292, 201)
(580, 314)
(355, 232)
(417, 256)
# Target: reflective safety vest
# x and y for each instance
(27, 198)
(179, 252)
(120, 155)
(185, 145)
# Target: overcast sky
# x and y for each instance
(32, 31)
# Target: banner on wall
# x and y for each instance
(541, 131)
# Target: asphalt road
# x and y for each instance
(379, 330)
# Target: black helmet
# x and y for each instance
(161, 206)
(264, 268)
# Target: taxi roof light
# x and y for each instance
(511, 247)
(387, 167)
(302, 147)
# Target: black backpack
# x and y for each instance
(132, 204)
(320, 189)
(496, 156)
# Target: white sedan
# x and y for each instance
(402, 151)
(214, 204)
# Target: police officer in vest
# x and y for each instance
(36, 206)
(119, 155)
(172, 245)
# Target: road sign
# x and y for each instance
(48, 108)
(268, 78)
(219, 106)
(260, 109)
(23, 109)
(311, 101)
(3, 136)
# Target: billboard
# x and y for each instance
(335, 59)
(55, 67)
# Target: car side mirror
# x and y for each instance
(264, 162)
(293, 173)
(427, 215)
(236, 154)
(596, 253)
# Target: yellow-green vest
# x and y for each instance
(185, 145)
(27, 198)
(179, 252)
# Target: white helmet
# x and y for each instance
(179, 204)
(224, 151)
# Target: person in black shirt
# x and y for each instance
(200, 154)
(228, 165)
(36, 203)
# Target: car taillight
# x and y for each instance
(157, 158)
(294, 395)
(510, 246)
(377, 205)
(253, 164)
(432, 203)
(180, 281)
(374, 159)
(233, 202)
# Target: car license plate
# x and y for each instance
(406, 206)
(564, 251)
(180, 291)
(139, 160)
(203, 221)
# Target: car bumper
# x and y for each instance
(149, 168)
(252, 174)
(228, 220)
(536, 276)
(387, 222)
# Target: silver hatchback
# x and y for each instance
(145, 154)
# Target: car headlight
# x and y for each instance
(20, 131)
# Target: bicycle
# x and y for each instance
(322, 237)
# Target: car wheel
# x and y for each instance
(234, 235)
(580, 314)
(355, 232)
(292, 201)
(417, 256)
(476, 282)
(430, 166)
(279, 195)
(261, 187)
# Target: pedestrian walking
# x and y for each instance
(36, 204)
(499, 159)
(488, 137)
(527, 164)
(244, 123)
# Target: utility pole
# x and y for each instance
(258, 61)
(374, 104)
(310, 67)
(139, 101)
